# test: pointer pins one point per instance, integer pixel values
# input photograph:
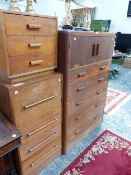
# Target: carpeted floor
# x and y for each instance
(118, 123)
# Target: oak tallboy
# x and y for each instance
(30, 90)
(84, 59)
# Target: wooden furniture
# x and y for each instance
(32, 100)
(84, 59)
(9, 141)
(27, 46)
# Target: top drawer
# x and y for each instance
(19, 24)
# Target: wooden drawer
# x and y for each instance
(42, 158)
(28, 54)
(20, 24)
(32, 100)
(34, 140)
(85, 73)
(87, 88)
(90, 115)
(72, 139)
(77, 107)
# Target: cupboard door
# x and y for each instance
(103, 48)
(84, 50)
(80, 51)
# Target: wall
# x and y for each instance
(44, 7)
(116, 10)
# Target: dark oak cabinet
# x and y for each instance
(84, 59)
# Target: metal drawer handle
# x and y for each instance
(78, 117)
(79, 131)
(79, 103)
(35, 62)
(101, 79)
(81, 88)
(44, 141)
(44, 126)
(102, 67)
(39, 102)
(82, 74)
(34, 163)
(34, 45)
(33, 26)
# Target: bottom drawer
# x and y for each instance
(82, 129)
(42, 158)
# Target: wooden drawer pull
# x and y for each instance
(35, 45)
(98, 92)
(79, 103)
(79, 131)
(93, 50)
(97, 49)
(101, 79)
(82, 74)
(78, 117)
(80, 88)
(102, 67)
(34, 163)
(44, 126)
(44, 141)
(39, 102)
(35, 62)
(33, 26)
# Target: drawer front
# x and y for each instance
(32, 63)
(44, 45)
(32, 141)
(29, 25)
(95, 85)
(34, 99)
(85, 73)
(89, 114)
(75, 108)
(42, 158)
(80, 132)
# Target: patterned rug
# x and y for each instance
(114, 100)
(109, 154)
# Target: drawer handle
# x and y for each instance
(98, 92)
(102, 67)
(35, 45)
(44, 126)
(33, 26)
(101, 79)
(79, 132)
(80, 88)
(78, 117)
(82, 74)
(35, 62)
(97, 49)
(93, 50)
(96, 105)
(34, 163)
(39, 102)
(79, 103)
(44, 141)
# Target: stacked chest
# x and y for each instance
(27, 46)
(84, 59)
(32, 100)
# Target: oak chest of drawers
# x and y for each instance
(30, 89)
(84, 59)
(37, 115)
(27, 46)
